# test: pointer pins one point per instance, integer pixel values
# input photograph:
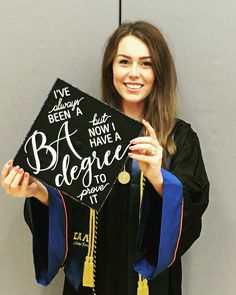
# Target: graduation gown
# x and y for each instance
(128, 242)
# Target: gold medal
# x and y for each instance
(124, 177)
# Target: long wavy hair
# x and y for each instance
(161, 106)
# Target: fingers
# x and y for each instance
(144, 158)
(19, 186)
(8, 180)
(16, 181)
(147, 145)
(143, 139)
(151, 138)
(147, 149)
(25, 181)
(149, 128)
(6, 170)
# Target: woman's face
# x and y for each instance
(133, 76)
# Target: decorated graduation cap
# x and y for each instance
(78, 144)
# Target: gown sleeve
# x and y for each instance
(170, 224)
(48, 225)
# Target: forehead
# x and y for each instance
(132, 46)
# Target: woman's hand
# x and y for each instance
(20, 184)
(148, 152)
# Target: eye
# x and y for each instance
(147, 64)
(123, 61)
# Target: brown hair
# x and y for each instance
(160, 107)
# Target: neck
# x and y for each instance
(133, 110)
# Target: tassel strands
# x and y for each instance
(88, 280)
(89, 264)
(142, 286)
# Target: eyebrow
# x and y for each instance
(129, 57)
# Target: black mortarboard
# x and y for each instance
(77, 144)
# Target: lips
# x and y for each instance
(133, 86)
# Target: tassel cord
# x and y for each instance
(95, 251)
(142, 288)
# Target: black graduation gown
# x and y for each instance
(118, 226)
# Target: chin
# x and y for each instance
(133, 99)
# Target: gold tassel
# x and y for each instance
(88, 271)
(142, 286)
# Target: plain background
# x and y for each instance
(43, 40)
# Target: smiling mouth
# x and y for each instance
(133, 86)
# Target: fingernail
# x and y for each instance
(10, 162)
(130, 155)
(131, 148)
(21, 171)
(26, 174)
(16, 168)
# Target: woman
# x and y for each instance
(136, 241)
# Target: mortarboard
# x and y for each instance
(77, 144)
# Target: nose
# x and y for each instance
(134, 71)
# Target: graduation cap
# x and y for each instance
(77, 144)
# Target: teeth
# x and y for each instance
(134, 86)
